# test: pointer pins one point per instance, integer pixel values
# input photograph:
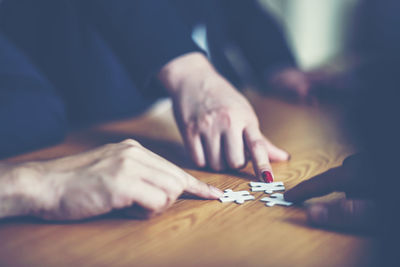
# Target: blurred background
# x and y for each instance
(317, 31)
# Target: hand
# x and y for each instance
(356, 212)
(291, 83)
(114, 176)
(217, 123)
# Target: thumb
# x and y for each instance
(346, 214)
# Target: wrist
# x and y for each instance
(175, 73)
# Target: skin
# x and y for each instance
(219, 128)
(357, 211)
(111, 177)
(217, 123)
(292, 84)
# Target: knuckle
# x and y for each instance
(224, 118)
(132, 150)
(175, 190)
(123, 162)
(205, 121)
(186, 182)
(160, 203)
(120, 201)
(173, 187)
(171, 198)
(131, 142)
(221, 117)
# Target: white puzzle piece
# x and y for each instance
(239, 196)
(276, 199)
(268, 188)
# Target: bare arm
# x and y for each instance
(114, 176)
(20, 189)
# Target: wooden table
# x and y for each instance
(200, 232)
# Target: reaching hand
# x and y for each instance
(356, 211)
(114, 176)
(217, 123)
(291, 83)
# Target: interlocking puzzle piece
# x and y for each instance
(276, 199)
(239, 196)
(268, 188)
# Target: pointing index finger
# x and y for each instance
(200, 189)
(258, 149)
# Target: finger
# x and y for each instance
(247, 155)
(344, 214)
(275, 153)
(150, 197)
(176, 182)
(257, 147)
(212, 143)
(157, 164)
(320, 185)
(234, 149)
(190, 183)
(302, 86)
(200, 189)
(193, 142)
(172, 186)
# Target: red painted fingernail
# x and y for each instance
(267, 177)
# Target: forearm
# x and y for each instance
(19, 190)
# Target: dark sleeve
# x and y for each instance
(146, 34)
(258, 35)
(31, 114)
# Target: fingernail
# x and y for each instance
(215, 191)
(283, 155)
(267, 176)
(318, 214)
(289, 157)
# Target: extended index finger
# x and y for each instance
(190, 184)
(200, 189)
(258, 148)
(319, 185)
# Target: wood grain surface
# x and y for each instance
(201, 232)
